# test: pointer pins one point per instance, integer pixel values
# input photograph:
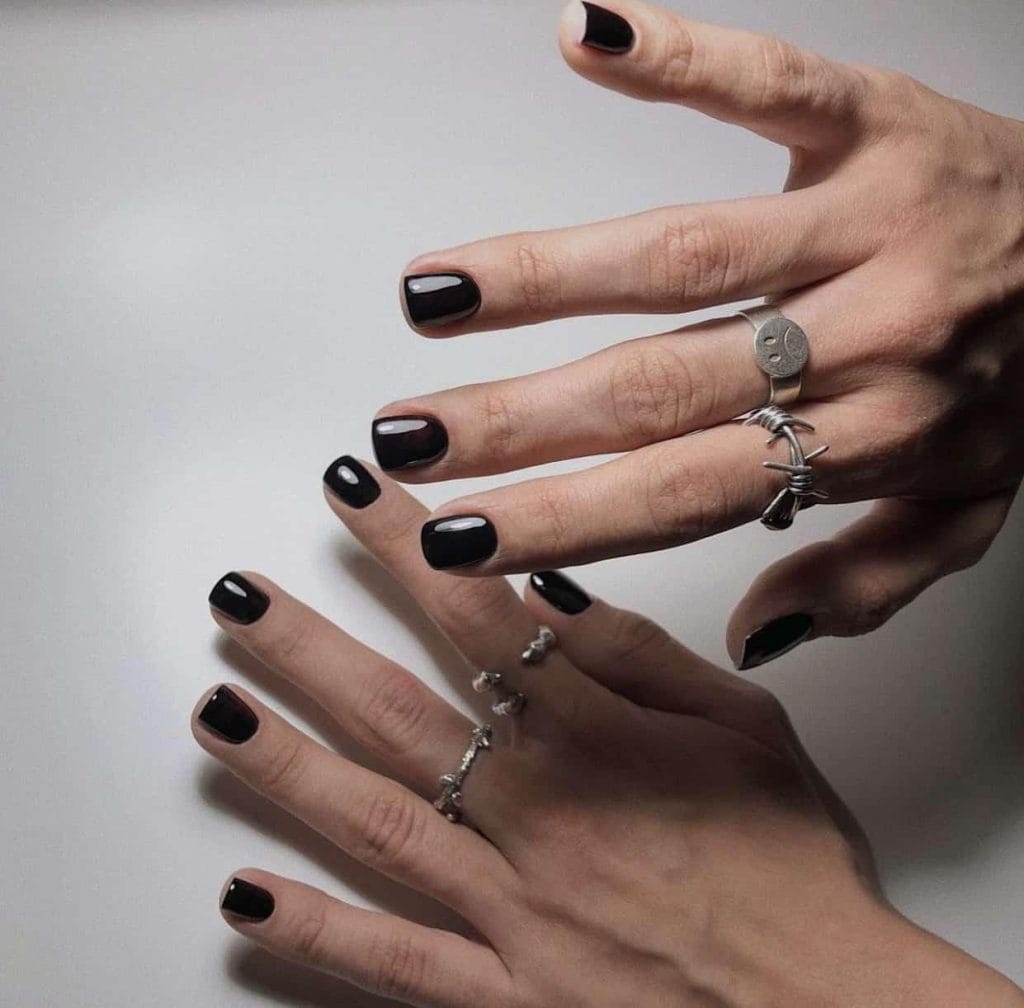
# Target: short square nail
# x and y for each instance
(561, 592)
(458, 541)
(243, 899)
(229, 717)
(606, 30)
(349, 481)
(774, 639)
(406, 442)
(238, 599)
(436, 299)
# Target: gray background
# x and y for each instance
(204, 209)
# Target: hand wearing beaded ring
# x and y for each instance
(508, 701)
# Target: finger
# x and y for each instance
(667, 260)
(617, 399)
(381, 705)
(485, 619)
(376, 820)
(855, 582)
(380, 953)
(658, 496)
(772, 87)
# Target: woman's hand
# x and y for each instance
(900, 242)
(647, 831)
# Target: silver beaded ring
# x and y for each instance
(507, 701)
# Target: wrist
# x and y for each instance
(876, 958)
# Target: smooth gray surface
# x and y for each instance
(204, 209)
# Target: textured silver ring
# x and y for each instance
(782, 350)
(449, 801)
(508, 701)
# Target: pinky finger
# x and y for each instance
(381, 953)
(854, 583)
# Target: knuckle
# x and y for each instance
(394, 711)
(400, 966)
(684, 504)
(538, 278)
(289, 642)
(286, 767)
(498, 420)
(309, 938)
(783, 80)
(869, 604)
(650, 390)
(676, 57)
(394, 826)
(634, 635)
(693, 260)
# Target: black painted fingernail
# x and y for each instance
(606, 30)
(243, 899)
(559, 591)
(435, 299)
(227, 715)
(774, 639)
(405, 442)
(238, 599)
(458, 541)
(348, 479)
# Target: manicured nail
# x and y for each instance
(559, 591)
(238, 599)
(606, 30)
(436, 299)
(458, 541)
(243, 899)
(405, 442)
(775, 639)
(228, 716)
(349, 481)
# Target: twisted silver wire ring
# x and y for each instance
(799, 491)
(449, 801)
(508, 701)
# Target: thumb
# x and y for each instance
(853, 583)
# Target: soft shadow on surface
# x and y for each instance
(290, 984)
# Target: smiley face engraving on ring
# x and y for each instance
(782, 348)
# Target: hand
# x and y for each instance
(900, 239)
(648, 831)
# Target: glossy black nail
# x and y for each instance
(436, 299)
(238, 599)
(458, 541)
(243, 899)
(774, 639)
(347, 478)
(229, 717)
(559, 591)
(606, 30)
(405, 442)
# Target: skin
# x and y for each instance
(648, 831)
(898, 245)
